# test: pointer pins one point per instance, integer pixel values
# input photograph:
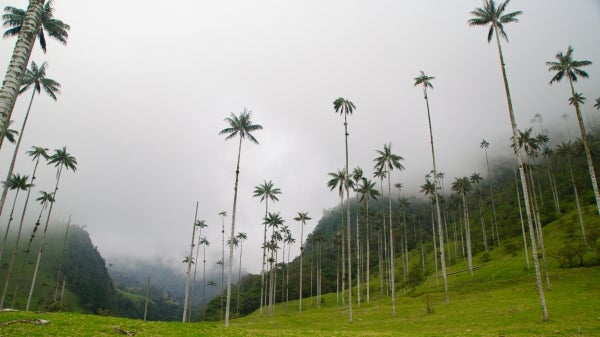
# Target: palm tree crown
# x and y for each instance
(567, 66)
(55, 28)
(424, 80)
(343, 106)
(17, 182)
(387, 159)
(493, 15)
(37, 152)
(36, 77)
(241, 125)
(267, 191)
(62, 158)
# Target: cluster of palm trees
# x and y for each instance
(60, 159)
(35, 22)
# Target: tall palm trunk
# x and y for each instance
(467, 233)
(357, 255)
(203, 280)
(392, 255)
(301, 265)
(264, 259)
(10, 219)
(437, 201)
(222, 265)
(583, 235)
(16, 247)
(368, 234)
(348, 225)
(189, 269)
(194, 277)
(27, 251)
(540, 233)
(239, 281)
(18, 62)
(230, 268)
(14, 156)
(435, 251)
(586, 145)
(62, 258)
(538, 276)
(39, 257)
(521, 217)
(495, 222)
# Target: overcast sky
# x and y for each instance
(146, 86)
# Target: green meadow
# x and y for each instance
(500, 299)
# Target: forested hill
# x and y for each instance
(73, 276)
(561, 201)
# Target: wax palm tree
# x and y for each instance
(243, 127)
(16, 183)
(429, 190)
(462, 186)
(367, 191)
(425, 81)
(543, 140)
(389, 161)
(303, 218)
(289, 240)
(597, 104)
(37, 153)
(475, 180)
(273, 220)
(340, 180)
(496, 18)
(222, 214)
(61, 160)
(233, 241)
(36, 78)
(566, 149)
(189, 261)
(204, 243)
(485, 145)
(346, 107)
(240, 237)
(357, 175)
(381, 173)
(404, 205)
(265, 191)
(201, 224)
(567, 67)
(531, 146)
(45, 199)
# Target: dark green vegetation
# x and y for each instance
(88, 286)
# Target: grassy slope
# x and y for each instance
(499, 300)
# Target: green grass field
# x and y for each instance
(510, 309)
(500, 299)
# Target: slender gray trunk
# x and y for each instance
(15, 153)
(230, 268)
(39, 257)
(524, 185)
(16, 247)
(189, 269)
